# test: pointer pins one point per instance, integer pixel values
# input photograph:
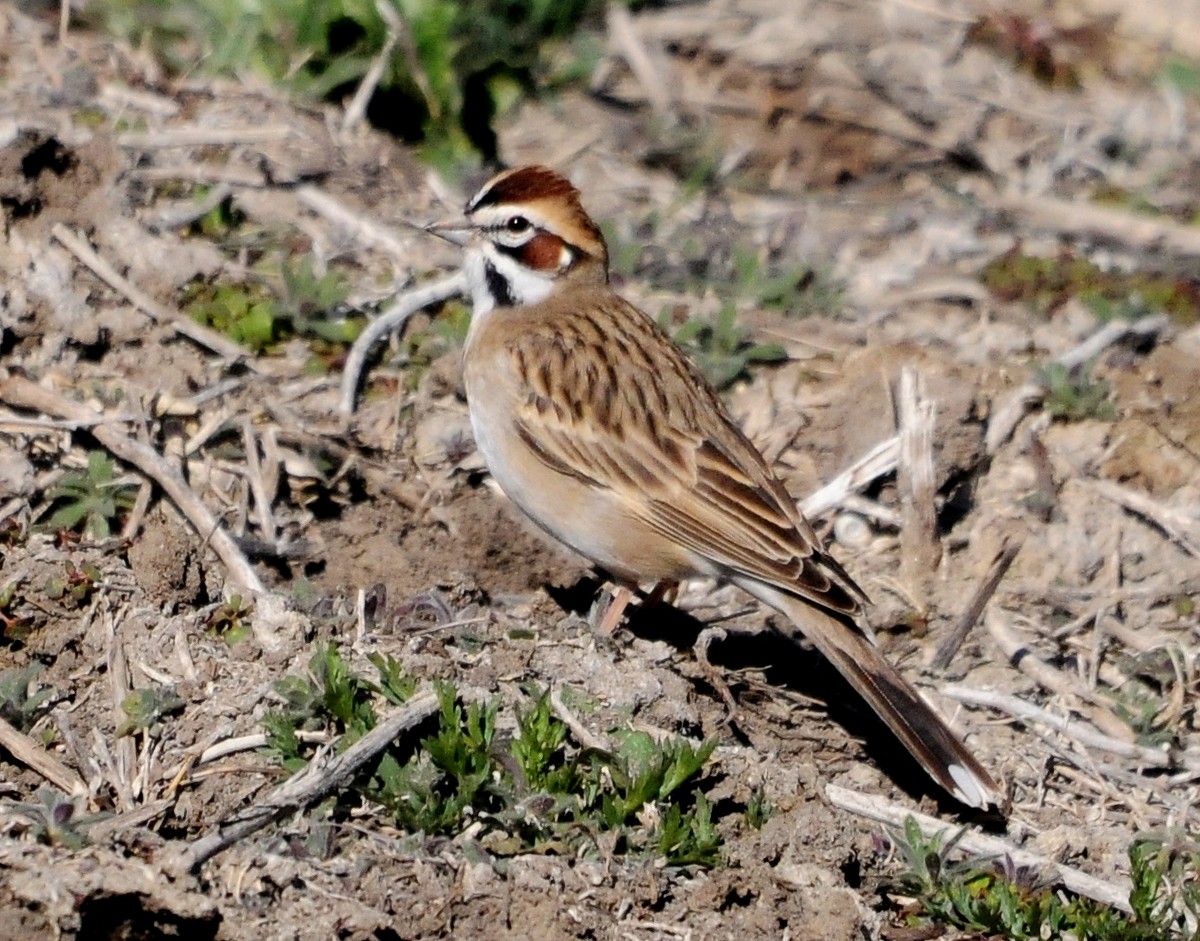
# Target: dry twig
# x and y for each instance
(949, 646)
(1115, 894)
(1069, 726)
(318, 779)
(392, 319)
(1006, 418)
(179, 322)
(26, 752)
(22, 393)
(920, 551)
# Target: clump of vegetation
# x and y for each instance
(1073, 395)
(450, 66)
(93, 500)
(534, 792)
(1001, 900)
(15, 624)
(230, 620)
(22, 702)
(146, 710)
(722, 348)
(77, 584)
(1045, 284)
(260, 315)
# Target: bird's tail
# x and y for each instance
(939, 751)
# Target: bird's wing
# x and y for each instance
(607, 397)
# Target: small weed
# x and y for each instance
(76, 584)
(533, 792)
(1072, 395)
(260, 315)
(94, 498)
(21, 701)
(721, 347)
(231, 620)
(145, 710)
(1144, 700)
(446, 332)
(14, 624)
(1045, 284)
(54, 820)
(998, 899)
(459, 62)
(13, 533)
(758, 809)
(308, 302)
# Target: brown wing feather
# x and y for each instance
(605, 411)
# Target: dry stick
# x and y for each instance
(364, 230)
(1009, 415)
(623, 33)
(1115, 894)
(920, 551)
(880, 460)
(19, 392)
(582, 733)
(1067, 725)
(392, 319)
(311, 784)
(29, 754)
(179, 322)
(357, 109)
(1092, 220)
(1170, 521)
(203, 137)
(119, 687)
(1020, 656)
(949, 647)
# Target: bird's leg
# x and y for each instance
(711, 673)
(662, 592)
(618, 601)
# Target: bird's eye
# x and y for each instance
(517, 224)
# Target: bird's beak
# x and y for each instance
(457, 232)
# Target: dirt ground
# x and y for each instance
(893, 149)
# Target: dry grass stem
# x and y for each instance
(21, 393)
(983, 593)
(160, 313)
(323, 775)
(390, 320)
(1114, 893)
(920, 550)
(1073, 728)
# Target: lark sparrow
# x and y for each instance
(599, 428)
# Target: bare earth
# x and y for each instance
(872, 142)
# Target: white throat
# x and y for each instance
(499, 280)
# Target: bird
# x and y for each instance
(599, 428)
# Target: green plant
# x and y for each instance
(54, 820)
(76, 584)
(721, 347)
(262, 314)
(230, 620)
(15, 623)
(1072, 395)
(1001, 900)
(456, 62)
(1045, 284)
(758, 809)
(532, 792)
(146, 709)
(308, 302)
(21, 701)
(94, 498)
